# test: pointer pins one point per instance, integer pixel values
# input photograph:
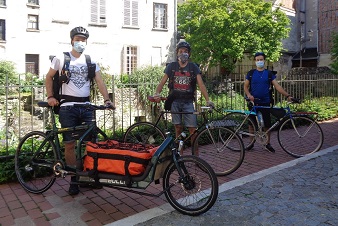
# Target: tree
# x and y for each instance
(221, 31)
(334, 53)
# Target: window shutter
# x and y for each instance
(126, 19)
(130, 13)
(102, 11)
(135, 13)
(166, 16)
(93, 11)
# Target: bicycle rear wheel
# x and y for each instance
(246, 131)
(144, 133)
(221, 148)
(300, 135)
(195, 192)
(34, 160)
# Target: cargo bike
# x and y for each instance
(189, 183)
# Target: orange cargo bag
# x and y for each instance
(116, 157)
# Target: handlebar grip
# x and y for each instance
(295, 100)
(247, 99)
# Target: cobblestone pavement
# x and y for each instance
(303, 194)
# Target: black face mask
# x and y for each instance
(183, 57)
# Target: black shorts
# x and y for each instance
(265, 113)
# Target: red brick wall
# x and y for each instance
(327, 24)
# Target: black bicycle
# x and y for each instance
(189, 183)
(213, 141)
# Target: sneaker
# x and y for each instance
(269, 148)
(73, 188)
(92, 186)
(250, 147)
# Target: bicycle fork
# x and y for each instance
(225, 143)
(306, 131)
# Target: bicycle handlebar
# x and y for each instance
(95, 107)
(152, 99)
(293, 100)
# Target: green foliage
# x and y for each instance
(7, 172)
(220, 31)
(144, 80)
(8, 75)
(334, 53)
(326, 107)
(107, 79)
(30, 80)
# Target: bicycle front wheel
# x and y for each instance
(144, 133)
(194, 192)
(34, 160)
(300, 135)
(221, 147)
(244, 126)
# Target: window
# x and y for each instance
(33, 2)
(130, 13)
(160, 16)
(130, 59)
(98, 11)
(2, 30)
(2, 2)
(32, 63)
(33, 22)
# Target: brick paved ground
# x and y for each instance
(103, 206)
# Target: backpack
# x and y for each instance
(58, 80)
(271, 90)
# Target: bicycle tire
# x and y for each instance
(196, 192)
(221, 148)
(35, 157)
(144, 133)
(234, 120)
(306, 138)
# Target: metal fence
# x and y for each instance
(20, 114)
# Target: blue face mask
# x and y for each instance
(183, 57)
(260, 64)
(79, 46)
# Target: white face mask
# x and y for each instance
(79, 46)
(260, 64)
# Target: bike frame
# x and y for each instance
(202, 113)
(141, 183)
(255, 109)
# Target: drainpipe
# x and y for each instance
(302, 22)
(175, 29)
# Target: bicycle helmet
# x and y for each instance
(183, 44)
(81, 31)
(260, 54)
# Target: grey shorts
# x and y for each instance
(189, 120)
